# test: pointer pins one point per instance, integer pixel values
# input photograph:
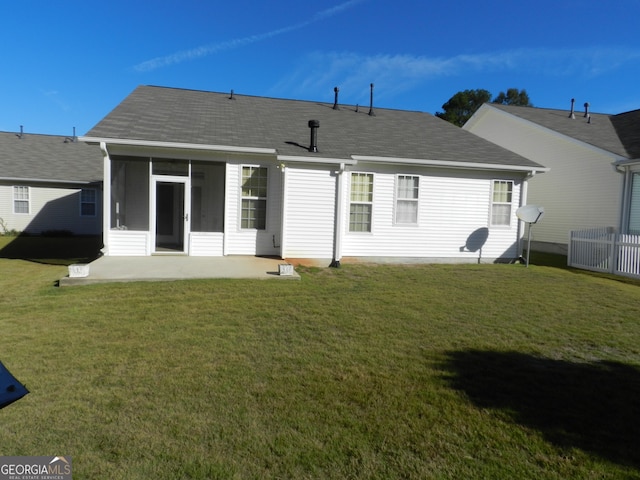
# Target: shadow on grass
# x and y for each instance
(591, 406)
(51, 250)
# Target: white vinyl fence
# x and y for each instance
(604, 250)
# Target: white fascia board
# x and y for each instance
(181, 146)
(449, 164)
(301, 159)
(46, 180)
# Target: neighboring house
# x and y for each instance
(49, 183)
(209, 174)
(594, 161)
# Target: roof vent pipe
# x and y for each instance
(21, 131)
(335, 101)
(371, 112)
(314, 125)
(75, 139)
(586, 109)
(231, 97)
(571, 114)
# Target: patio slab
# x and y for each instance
(178, 267)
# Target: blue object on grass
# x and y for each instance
(10, 388)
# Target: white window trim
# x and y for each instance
(242, 197)
(492, 203)
(28, 200)
(398, 199)
(95, 202)
(371, 203)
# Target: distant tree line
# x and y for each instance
(463, 105)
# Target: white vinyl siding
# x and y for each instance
(454, 206)
(251, 241)
(361, 205)
(309, 213)
(501, 202)
(50, 208)
(21, 200)
(407, 195)
(581, 190)
(129, 243)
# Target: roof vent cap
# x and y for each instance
(314, 125)
(571, 114)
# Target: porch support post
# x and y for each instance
(106, 198)
(283, 210)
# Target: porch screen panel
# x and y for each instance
(207, 197)
(129, 193)
(634, 206)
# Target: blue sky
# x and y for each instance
(66, 64)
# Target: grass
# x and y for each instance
(381, 372)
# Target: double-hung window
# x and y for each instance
(254, 198)
(88, 202)
(361, 205)
(407, 199)
(501, 196)
(21, 199)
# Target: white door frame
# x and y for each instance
(186, 181)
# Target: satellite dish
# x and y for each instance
(530, 213)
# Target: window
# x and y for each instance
(407, 199)
(501, 202)
(254, 197)
(87, 202)
(361, 202)
(21, 200)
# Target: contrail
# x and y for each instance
(205, 50)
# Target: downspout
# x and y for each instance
(106, 198)
(337, 229)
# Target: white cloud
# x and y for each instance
(207, 50)
(398, 73)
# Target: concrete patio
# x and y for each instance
(175, 267)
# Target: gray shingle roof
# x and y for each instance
(627, 126)
(48, 157)
(207, 118)
(613, 133)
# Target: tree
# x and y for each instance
(462, 105)
(513, 97)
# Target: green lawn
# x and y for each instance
(381, 372)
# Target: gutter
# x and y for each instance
(325, 160)
(450, 164)
(44, 180)
(172, 145)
